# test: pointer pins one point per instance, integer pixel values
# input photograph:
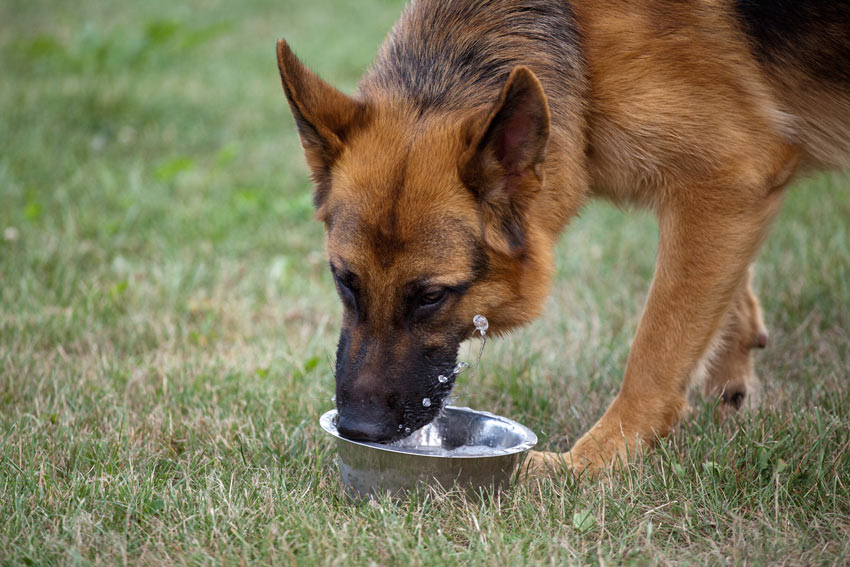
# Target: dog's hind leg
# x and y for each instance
(729, 373)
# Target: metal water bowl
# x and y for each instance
(462, 447)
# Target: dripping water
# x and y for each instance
(481, 325)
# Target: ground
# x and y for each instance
(167, 326)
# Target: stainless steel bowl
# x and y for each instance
(463, 447)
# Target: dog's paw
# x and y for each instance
(546, 464)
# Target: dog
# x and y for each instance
(484, 126)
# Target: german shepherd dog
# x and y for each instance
(484, 126)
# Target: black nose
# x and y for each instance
(356, 429)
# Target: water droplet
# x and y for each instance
(407, 430)
(461, 366)
(481, 325)
(400, 426)
(442, 379)
(426, 402)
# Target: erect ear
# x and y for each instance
(325, 117)
(503, 163)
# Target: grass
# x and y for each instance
(167, 324)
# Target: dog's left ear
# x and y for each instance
(503, 162)
(325, 117)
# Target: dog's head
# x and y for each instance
(426, 225)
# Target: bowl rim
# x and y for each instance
(326, 423)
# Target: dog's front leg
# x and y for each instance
(705, 247)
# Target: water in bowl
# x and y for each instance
(429, 441)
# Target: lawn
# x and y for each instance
(167, 328)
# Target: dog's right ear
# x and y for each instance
(502, 165)
(324, 117)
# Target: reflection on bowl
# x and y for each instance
(464, 447)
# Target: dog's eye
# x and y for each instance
(432, 297)
(344, 286)
(347, 291)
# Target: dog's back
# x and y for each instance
(804, 48)
(448, 55)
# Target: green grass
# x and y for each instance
(167, 324)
